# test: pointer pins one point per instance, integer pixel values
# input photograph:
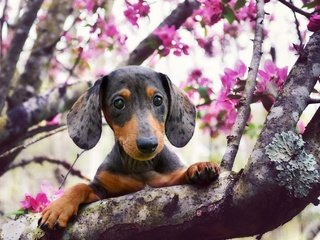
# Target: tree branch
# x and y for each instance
(42, 159)
(295, 9)
(25, 145)
(147, 46)
(33, 111)
(49, 30)
(246, 100)
(9, 63)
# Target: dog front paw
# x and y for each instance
(202, 173)
(57, 214)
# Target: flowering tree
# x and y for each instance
(48, 50)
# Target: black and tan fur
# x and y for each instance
(149, 108)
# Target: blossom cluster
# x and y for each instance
(135, 11)
(314, 23)
(218, 110)
(42, 199)
(170, 40)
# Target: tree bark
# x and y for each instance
(36, 109)
(49, 32)
(10, 61)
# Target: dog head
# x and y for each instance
(140, 105)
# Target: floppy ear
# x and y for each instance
(181, 118)
(84, 119)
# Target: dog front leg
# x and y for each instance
(61, 210)
(198, 173)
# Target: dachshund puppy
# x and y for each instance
(141, 106)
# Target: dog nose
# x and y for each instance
(147, 144)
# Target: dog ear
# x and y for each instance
(181, 117)
(84, 119)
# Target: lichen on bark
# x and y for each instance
(296, 170)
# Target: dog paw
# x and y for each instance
(202, 172)
(57, 214)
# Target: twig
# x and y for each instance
(37, 130)
(295, 9)
(297, 25)
(244, 109)
(75, 64)
(42, 159)
(20, 147)
(71, 168)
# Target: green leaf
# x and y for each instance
(228, 14)
(18, 213)
(239, 4)
(203, 91)
(312, 4)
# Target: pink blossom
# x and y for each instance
(170, 41)
(105, 35)
(301, 127)
(271, 78)
(314, 23)
(55, 120)
(35, 204)
(209, 13)
(42, 199)
(247, 12)
(231, 29)
(84, 4)
(198, 87)
(206, 44)
(136, 11)
(230, 77)
(52, 194)
(220, 115)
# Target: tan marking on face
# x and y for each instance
(150, 91)
(125, 93)
(127, 136)
(118, 185)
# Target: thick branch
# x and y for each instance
(259, 175)
(17, 43)
(244, 109)
(49, 32)
(147, 46)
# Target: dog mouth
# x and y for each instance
(138, 155)
(143, 157)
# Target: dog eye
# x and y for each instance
(157, 101)
(118, 103)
